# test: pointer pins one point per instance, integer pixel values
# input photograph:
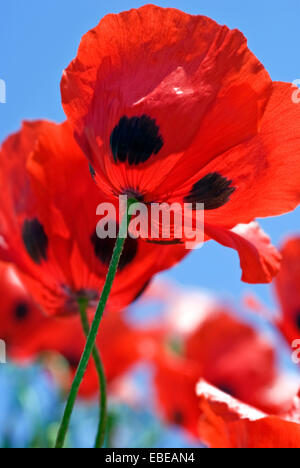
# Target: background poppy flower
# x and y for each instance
(48, 225)
(205, 339)
(30, 335)
(120, 346)
(20, 316)
(228, 423)
(170, 107)
(287, 288)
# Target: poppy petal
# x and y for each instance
(225, 422)
(168, 67)
(264, 185)
(48, 222)
(29, 334)
(175, 382)
(260, 261)
(287, 289)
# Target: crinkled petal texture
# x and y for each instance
(179, 70)
(287, 287)
(48, 224)
(206, 104)
(175, 383)
(19, 315)
(228, 423)
(175, 108)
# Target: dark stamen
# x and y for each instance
(133, 194)
(165, 242)
(92, 171)
(178, 418)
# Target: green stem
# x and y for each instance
(100, 438)
(94, 330)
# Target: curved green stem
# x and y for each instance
(94, 329)
(100, 438)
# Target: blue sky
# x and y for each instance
(39, 39)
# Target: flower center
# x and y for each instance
(134, 194)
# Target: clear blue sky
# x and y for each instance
(39, 38)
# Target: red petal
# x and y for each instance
(29, 334)
(57, 189)
(174, 67)
(260, 261)
(287, 289)
(264, 185)
(19, 316)
(227, 423)
(175, 381)
(234, 357)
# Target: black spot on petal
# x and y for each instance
(135, 139)
(35, 240)
(213, 190)
(297, 319)
(103, 249)
(21, 311)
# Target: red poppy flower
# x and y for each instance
(223, 350)
(29, 335)
(48, 224)
(228, 423)
(175, 383)
(19, 316)
(287, 287)
(119, 343)
(170, 107)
